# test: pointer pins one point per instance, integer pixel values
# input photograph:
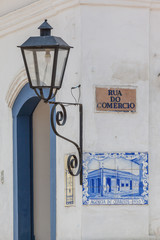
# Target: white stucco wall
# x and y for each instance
(115, 44)
(9, 6)
(154, 125)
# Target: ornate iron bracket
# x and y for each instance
(60, 118)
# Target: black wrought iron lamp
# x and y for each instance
(45, 58)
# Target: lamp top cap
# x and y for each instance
(45, 25)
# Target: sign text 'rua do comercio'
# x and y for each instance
(115, 99)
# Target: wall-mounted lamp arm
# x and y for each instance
(60, 118)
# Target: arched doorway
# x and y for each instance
(24, 196)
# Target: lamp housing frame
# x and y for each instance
(45, 42)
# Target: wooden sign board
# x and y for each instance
(115, 99)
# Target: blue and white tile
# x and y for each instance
(115, 178)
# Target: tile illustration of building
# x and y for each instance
(107, 182)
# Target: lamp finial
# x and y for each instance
(45, 29)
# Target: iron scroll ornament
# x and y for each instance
(60, 118)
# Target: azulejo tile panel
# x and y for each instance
(115, 178)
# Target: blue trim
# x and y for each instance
(23, 108)
(15, 181)
(24, 177)
(27, 97)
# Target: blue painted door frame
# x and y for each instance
(22, 111)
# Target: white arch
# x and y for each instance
(15, 87)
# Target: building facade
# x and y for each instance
(117, 50)
(104, 181)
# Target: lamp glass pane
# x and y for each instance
(61, 62)
(40, 65)
(30, 64)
